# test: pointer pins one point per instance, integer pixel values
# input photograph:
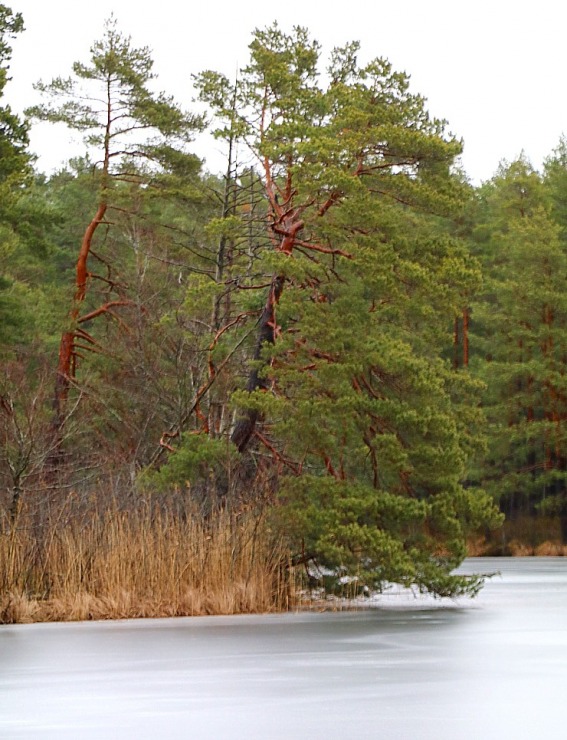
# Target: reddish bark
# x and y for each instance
(456, 344)
(278, 457)
(82, 260)
(461, 340)
(466, 337)
(164, 437)
(66, 364)
(100, 310)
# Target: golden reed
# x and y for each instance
(142, 564)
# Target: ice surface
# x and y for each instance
(410, 669)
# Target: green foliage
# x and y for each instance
(23, 217)
(372, 412)
(14, 159)
(128, 204)
(197, 459)
(133, 123)
(521, 327)
(555, 182)
(381, 537)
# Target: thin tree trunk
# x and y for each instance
(456, 343)
(227, 210)
(466, 337)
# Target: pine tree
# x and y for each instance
(135, 135)
(347, 390)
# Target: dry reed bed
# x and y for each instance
(127, 565)
(516, 549)
(522, 536)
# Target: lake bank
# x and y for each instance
(154, 564)
(21, 608)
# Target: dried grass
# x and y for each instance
(520, 549)
(127, 565)
(522, 536)
(551, 549)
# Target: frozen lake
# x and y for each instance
(494, 667)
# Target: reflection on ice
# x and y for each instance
(495, 667)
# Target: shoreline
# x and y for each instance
(19, 608)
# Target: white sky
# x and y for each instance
(495, 69)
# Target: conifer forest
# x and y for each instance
(337, 352)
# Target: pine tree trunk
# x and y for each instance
(461, 340)
(456, 344)
(246, 425)
(466, 337)
(66, 361)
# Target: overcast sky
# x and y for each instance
(495, 69)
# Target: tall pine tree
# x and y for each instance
(134, 134)
(347, 391)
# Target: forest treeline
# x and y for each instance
(339, 336)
